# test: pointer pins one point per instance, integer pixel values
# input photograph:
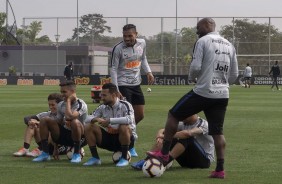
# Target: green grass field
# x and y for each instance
(252, 128)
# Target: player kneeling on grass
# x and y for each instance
(67, 127)
(32, 129)
(192, 147)
(111, 126)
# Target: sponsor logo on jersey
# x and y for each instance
(218, 81)
(221, 52)
(222, 68)
(220, 42)
(132, 64)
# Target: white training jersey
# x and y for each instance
(248, 72)
(79, 105)
(214, 66)
(204, 139)
(126, 63)
(120, 113)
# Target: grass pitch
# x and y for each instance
(252, 128)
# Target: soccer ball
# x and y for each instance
(117, 155)
(149, 90)
(70, 151)
(153, 168)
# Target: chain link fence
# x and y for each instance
(169, 47)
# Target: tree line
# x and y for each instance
(248, 37)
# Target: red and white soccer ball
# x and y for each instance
(70, 151)
(117, 155)
(153, 168)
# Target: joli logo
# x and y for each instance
(221, 68)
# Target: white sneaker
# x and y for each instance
(22, 152)
(34, 153)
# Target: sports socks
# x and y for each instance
(26, 145)
(166, 147)
(39, 145)
(94, 153)
(45, 146)
(124, 150)
(219, 165)
(76, 146)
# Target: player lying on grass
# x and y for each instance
(67, 127)
(192, 147)
(32, 129)
(111, 126)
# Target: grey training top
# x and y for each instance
(120, 113)
(79, 105)
(126, 63)
(204, 139)
(214, 66)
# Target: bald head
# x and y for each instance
(205, 26)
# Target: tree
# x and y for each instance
(91, 26)
(251, 37)
(31, 32)
(2, 26)
(189, 37)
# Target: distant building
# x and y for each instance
(51, 61)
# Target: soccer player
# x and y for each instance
(192, 147)
(215, 66)
(67, 128)
(248, 76)
(128, 57)
(111, 126)
(32, 129)
(275, 70)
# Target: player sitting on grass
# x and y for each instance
(32, 129)
(111, 126)
(192, 147)
(67, 127)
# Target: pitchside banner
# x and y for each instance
(102, 79)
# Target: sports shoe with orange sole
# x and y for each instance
(34, 153)
(21, 152)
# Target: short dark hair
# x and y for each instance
(128, 27)
(68, 83)
(55, 96)
(248, 64)
(111, 87)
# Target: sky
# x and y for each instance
(26, 9)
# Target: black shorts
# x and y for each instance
(214, 110)
(65, 138)
(133, 94)
(247, 78)
(111, 141)
(194, 155)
